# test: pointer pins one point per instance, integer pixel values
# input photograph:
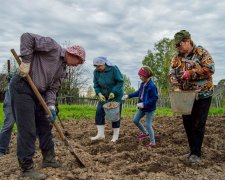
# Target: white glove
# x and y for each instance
(140, 105)
(52, 107)
(24, 69)
(125, 97)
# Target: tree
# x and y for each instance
(9, 68)
(3, 83)
(75, 82)
(221, 82)
(159, 62)
(90, 92)
(127, 85)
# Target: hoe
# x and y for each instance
(34, 88)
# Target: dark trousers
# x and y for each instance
(100, 116)
(194, 124)
(7, 128)
(31, 121)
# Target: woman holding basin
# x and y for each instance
(108, 85)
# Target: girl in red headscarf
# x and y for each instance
(148, 96)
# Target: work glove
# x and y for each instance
(140, 105)
(173, 81)
(101, 97)
(54, 113)
(186, 74)
(125, 97)
(24, 69)
(111, 96)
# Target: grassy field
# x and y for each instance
(88, 112)
(79, 112)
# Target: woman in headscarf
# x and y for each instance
(108, 85)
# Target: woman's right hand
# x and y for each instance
(101, 97)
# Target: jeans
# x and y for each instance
(7, 128)
(194, 124)
(100, 116)
(148, 120)
(31, 120)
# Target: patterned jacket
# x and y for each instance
(200, 67)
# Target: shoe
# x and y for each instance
(52, 163)
(2, 154)
(194, 159)
(151, 145)
(31, 173)
(97, 138)
(115, 134)
(187, 156)
(49, 159)
(101, 133)
(142, 136)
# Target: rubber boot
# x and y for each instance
(100, 134)
(49, 159)
(28, 170)
(116, 132)
(33, 174)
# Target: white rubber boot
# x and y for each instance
(100, 134)
(116, 132)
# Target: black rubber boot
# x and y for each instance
(28, 170)
(33, 174)
(49, 159)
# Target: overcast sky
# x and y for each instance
(122, 30)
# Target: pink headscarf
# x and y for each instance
(142, 72)
(145, 71)
(78, 51)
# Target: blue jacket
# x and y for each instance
(150, 96)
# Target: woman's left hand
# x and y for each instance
(140, 105)
(111, 96)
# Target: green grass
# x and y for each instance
(79, 112)
(88, 112)
(2, 117)
(130, 112)
(217, 111)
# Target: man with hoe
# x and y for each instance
(45, 61)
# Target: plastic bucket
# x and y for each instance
(182, 101)
(112, 111)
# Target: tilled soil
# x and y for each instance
(129, 158)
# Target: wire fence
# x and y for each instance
(218, 101)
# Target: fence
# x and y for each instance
(163, 101)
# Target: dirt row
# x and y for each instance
(129, 158)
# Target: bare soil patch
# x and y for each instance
(129, 158)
